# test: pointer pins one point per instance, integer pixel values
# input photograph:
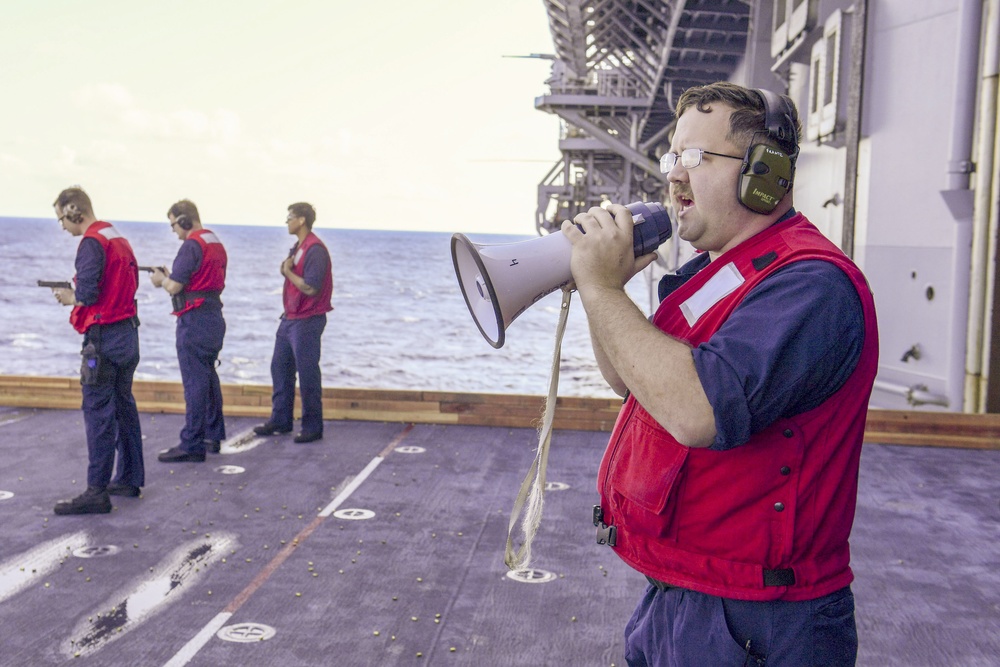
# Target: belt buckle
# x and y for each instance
(607, 535)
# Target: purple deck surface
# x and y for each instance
(409, 570)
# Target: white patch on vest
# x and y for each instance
(109, 233)
(719, 286)
(209, 237)
(298, 255)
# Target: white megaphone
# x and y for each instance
(500, 281)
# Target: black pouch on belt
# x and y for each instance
(90, 366)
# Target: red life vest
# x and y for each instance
(722, 522)
(210, 276)
(118, 283)
(298, 305)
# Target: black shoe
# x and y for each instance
(308, 437)
(94, 500)
(270, 428)
(178, 455)
(127, 490)
(213, 446)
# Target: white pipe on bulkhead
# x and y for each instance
(957, 194)
(990, 96)
(983, 228)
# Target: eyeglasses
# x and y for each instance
(62, 217)
(689, 157)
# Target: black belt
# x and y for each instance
(181, 300)
(784, 577)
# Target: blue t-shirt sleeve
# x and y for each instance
(89, 270)
(187, 262)
(791, 343)
(316, 267)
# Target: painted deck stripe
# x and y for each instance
(395, 441)
(28, 568)
(273, 565)
(363, 475)
(189, 650)
(351, 488)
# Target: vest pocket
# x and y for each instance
(646, 464)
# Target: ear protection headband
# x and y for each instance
(767, 171)
(184, 222)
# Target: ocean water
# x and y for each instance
(399, 319)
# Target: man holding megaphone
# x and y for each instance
(730, 480)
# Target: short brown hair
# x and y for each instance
(75, 195)
(304, 210)
(749, 115)
(184, 207)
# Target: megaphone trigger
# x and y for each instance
(500, 281)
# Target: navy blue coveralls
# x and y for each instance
(200, 333)
(109, 412)
(805, 327)
(297, 350)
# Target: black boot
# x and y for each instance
(94, 500)
(127, 490)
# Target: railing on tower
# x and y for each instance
(618, 68)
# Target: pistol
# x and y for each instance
(55, 283)
(150, 269)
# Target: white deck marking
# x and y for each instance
(12, 418)
(189, 650)
(146, 596)
(182, 657)
(531, 575)
(246, 633)
(243, 441)
(352, 487)
(21, 571)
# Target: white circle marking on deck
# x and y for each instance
(354, 514)
(556, 486)
(231, 470)
(531, 576)
(410, 449)
(246, 632)
(96, 552)
(5, 495)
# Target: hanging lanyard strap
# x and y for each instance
(533, 486)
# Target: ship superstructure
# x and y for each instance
(898, 102)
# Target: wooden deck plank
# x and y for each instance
(901, 427)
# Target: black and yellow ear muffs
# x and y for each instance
(73, 214)
(768, 172)
(184, 222)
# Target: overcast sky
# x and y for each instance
(392, 114)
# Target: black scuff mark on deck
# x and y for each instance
(147, 596)
(105, 625)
